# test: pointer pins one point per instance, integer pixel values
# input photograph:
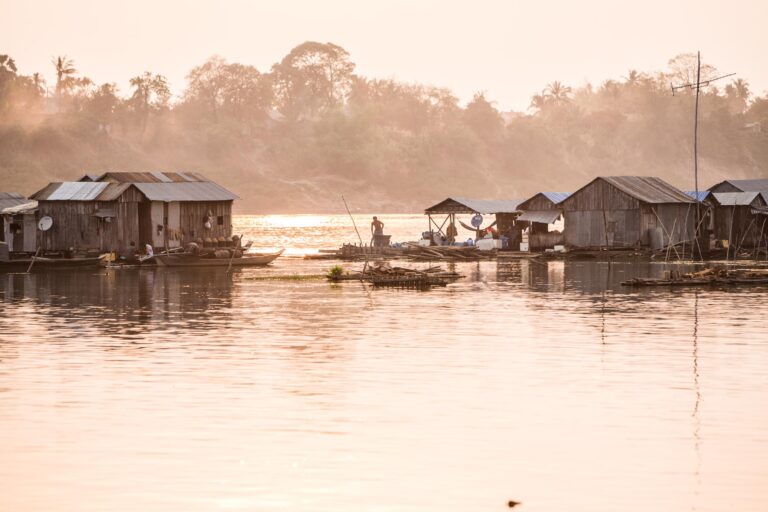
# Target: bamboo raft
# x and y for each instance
(384, 275)
(706, 277)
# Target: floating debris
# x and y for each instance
(385, 275)
(706, 277)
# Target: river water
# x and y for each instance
(546, 383)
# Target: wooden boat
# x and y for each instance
(47, 263)
(184, 259)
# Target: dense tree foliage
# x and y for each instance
(296, 137)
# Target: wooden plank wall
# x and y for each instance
(747, 229)
(539, 202)
(600, 195)
(598, 228)
(193, 214)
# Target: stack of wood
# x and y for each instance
(707, 276)
(385, 275)
(448, 253)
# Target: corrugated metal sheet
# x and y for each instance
(9, 199)
(482, 206)
(543, 216)
(91, 177)
(27, 207)
(737, 198)
(113, 191)
(161, 177)
(154, 177)
(556, 197)
(703, 194)
(75, 191)
(648, 189)
(186, 191)
(756, 185)
(81, 191)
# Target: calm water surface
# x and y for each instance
(547, 383)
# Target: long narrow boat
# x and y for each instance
(190, 260)
(47, 263)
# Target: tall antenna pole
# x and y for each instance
(698, 85)
(696, 138)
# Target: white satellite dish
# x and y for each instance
(45, 223)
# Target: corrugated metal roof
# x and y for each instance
(76, 191)
(703, 194)
(9, 199)
(81, 191)
(543, 216)
(648, 189)
(187, 191)
(737, 198)
(91, 177)
(754, 185)
(556, 197)
(113, 191)
(482, 206)
(27, 207)
(153, 177)
(107, 191)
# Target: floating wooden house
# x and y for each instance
(123, 211)
(539, 212)
(505, 212)
(740, 218)
(628, 211)
(20, 226)
(8, 200)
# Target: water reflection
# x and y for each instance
(546, 382)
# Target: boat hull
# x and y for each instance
(48, 263)
(185, 260)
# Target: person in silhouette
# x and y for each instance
(377, 227)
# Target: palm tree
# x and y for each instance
(150, 91)
(65, 69)
(634, 77)
(538, 102)
(7, 64)
(742, 89)
(39, 82)
(557, 92)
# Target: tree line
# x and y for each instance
(296, 136)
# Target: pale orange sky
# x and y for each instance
(508, 49)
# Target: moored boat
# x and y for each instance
(47, 263)
(186, 259)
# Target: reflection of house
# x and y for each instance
(628, 211)
(20, 226)
(122, 211)
(740, 218)
(8, 200)
(506, 212)
(539, 212)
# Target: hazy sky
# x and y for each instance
(508, 49)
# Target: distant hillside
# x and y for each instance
(296, 137)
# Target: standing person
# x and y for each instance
(377, 227)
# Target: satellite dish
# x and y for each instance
(45, 223)
(477, 220)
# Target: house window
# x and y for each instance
(220, 220)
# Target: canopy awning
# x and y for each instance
(481, 206)
(543, 216)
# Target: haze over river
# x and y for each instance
(547, 383)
